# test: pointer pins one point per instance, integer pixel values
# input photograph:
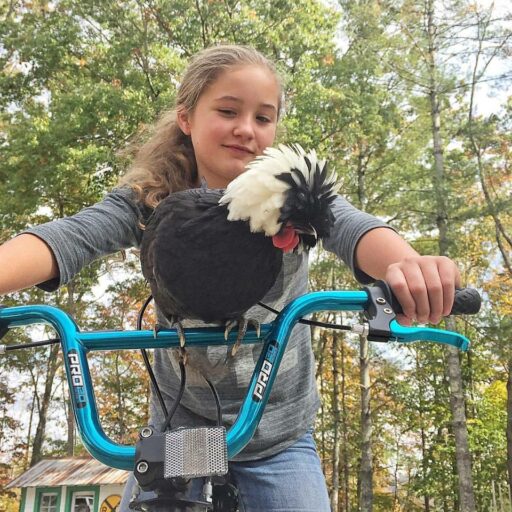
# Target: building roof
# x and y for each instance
(69, 471)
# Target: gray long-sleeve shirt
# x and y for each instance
(114, 224)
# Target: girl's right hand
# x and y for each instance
(424, 286)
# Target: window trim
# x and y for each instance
(94, 489)
(23, 502)
(46, 490)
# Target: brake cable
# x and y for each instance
(315, 323)
(217, 400)
(146, 360)
(169, 416)
(183, 376)
(52, 341)
(32, 344)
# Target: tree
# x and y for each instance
(80, 81)
(8, 441)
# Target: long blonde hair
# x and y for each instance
(166, 162)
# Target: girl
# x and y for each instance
(226, 114)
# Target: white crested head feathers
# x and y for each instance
(260, 194)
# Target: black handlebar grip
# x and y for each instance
(467, 301)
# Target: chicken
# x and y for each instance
(211, 254)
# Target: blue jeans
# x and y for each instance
(290, 481)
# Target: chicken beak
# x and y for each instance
(307, 229)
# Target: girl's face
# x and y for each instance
(234, 120)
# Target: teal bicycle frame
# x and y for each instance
(274, 337)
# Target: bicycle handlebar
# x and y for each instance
(467, 301)
(374, 301)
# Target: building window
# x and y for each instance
(47, 499)
(83, 501)
(48, 502)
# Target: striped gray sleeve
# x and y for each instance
(349, 226)
(104, 228)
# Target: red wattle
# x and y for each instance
(287, 239)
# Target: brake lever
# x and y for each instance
(404, 334)
(382, 325)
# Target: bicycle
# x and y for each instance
(165, 461)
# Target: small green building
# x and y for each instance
(70, 485)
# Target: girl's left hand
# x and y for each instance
(424, 286)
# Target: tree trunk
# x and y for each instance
(70, 444)
(320, 375)
(396, 500)
(460, 431)
(29, 433)
(366, 469)
(336, 422)
(120, 401)
(365, 488)
(426, 497)
(509, 425)
(51, 370)
(344, 430)
(457, 402)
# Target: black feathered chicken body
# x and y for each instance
(201, 265)
(212, 254)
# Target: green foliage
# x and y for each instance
(81, 80)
